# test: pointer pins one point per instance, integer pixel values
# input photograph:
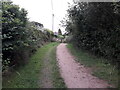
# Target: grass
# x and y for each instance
(58, 82)
(28, 75)
(100, 69)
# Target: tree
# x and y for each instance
(59, 32)
(95, 27)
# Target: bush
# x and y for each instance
(95, 27)
(20, 38)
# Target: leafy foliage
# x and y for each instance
(96, 27)
(59, 32)
(49, 34)
(20, 38)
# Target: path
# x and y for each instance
(74, 74)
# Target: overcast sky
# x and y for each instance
(41, 11)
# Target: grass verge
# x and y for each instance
(28, 75)
(99, 67)
(58, 82)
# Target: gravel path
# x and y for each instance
(74, 74)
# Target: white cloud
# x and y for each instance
(41, 11)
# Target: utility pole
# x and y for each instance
(52, 15)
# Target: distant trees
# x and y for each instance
(49, 34)
(96, 27)
(60, 36)
(59, 32)
(20, 37)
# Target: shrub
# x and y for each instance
(95, 27)
(20, 37)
